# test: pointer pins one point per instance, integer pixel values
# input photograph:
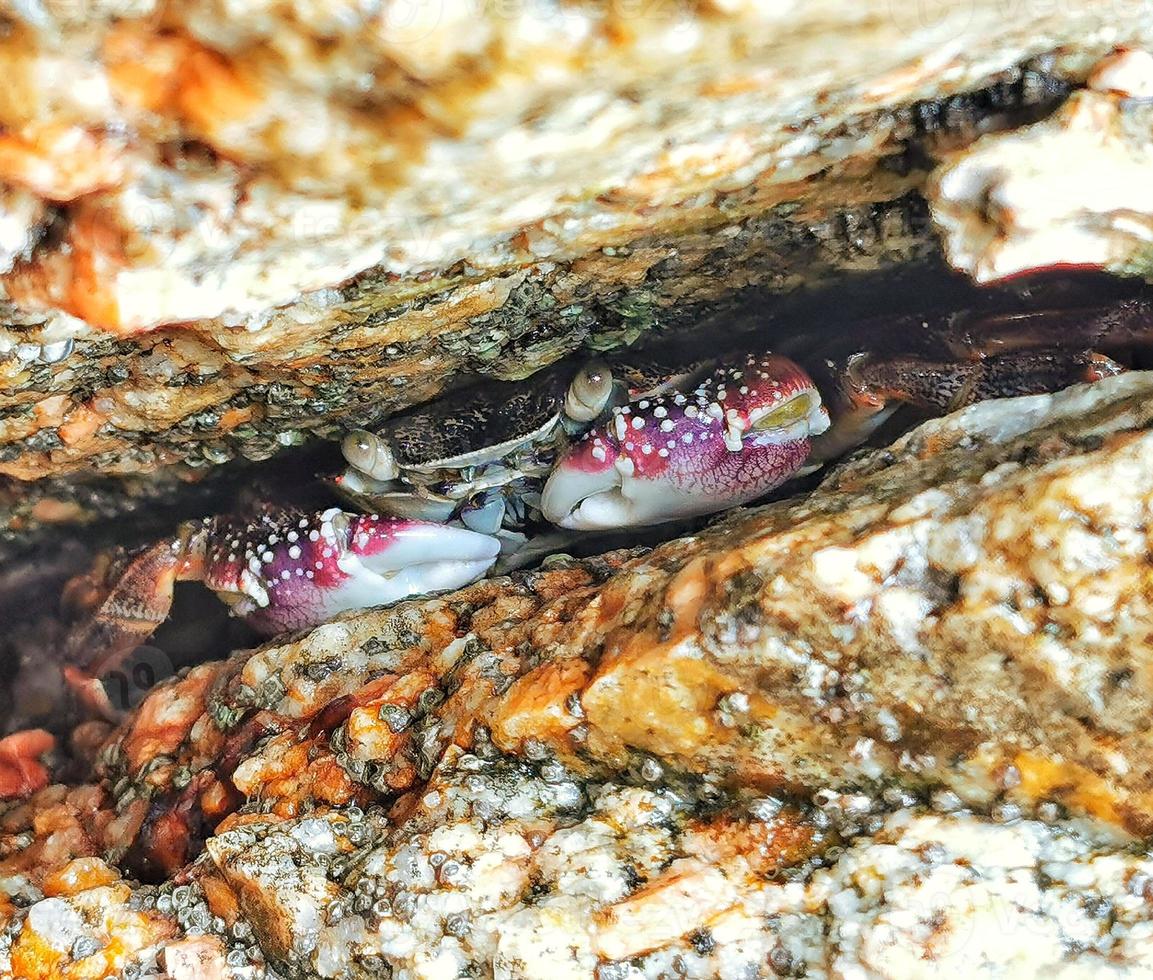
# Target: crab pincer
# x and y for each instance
(739, 433)
(290, 571)
(282, 570)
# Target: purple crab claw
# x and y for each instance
(282, 570)
(741, 432)
(292, 571)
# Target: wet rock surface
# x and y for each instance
(1067, 191)
(899, 721)
(263, 191)
(900, 718)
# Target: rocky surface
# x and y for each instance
(1067, 191)
(903, 718)
(263, 189)
(900, 722)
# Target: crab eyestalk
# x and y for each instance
(589, 393)
(741, 432)
(370, 454)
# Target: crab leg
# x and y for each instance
(988, 356)
(123, 604)
(1127, 323)
(944, 386)
(21, 771)
(741, 432)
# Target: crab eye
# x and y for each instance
(370, 454)
(589, 392)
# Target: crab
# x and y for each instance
(634, 441)
(443, 491)
(631, 443)
(742, 429)
(481, 460)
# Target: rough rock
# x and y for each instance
(902, 720)
(272, 178)
(1068, 191)
(903, 717)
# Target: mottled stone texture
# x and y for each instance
(898, 721)
(758, 745)
(226, 227)
(1070, 190)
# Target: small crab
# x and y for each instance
(477, 458)
(746, 427)
(481, 459)
(741, 430)
(608, 444)
(450, 486)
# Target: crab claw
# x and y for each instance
(289, 571)
(741, 432)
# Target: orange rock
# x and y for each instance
(221, 899)
(78, 875)
(657, 697)
(34, 957)
(143, 65)
(213, 93)
(82, 423)
(764, 846)
(21, 771)
(164, 720)
(60, 162)
(536, 706)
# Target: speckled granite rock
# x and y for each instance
(344, 206)
(902, 719)
(1070, 190)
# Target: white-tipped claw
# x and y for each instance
(565, 489)
(421, 545)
